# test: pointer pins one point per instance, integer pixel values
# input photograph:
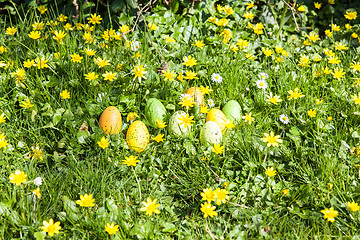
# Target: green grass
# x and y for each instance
(315, 152)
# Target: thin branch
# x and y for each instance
(293, 10)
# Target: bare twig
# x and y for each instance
(293, 10)
(238, 205)
(76, 5)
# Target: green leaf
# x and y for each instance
(169, 227)
(57, 116)
(111, 205)
(40, 235)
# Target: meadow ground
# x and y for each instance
(286, 167)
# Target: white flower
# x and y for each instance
(135, 46)
(38, 181)
(210, 102)
(284, 119)
(261, 84)
(215, 77)
(262, 76)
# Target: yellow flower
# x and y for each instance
(103, 143)
(329, 118)
(327, 71)
(18, 177)
(190, 75)
(88, 37)
(317, 5)
(101, 62)
(208, 210)
(208, 195)
(248, 15)
(335, 27)
(268, 52)
(111, 229)
(130, 161)
(306, 42)
(94, 19)
(353, 206)
(248, 118)
(334, 60)
(270, 172)
(304, 61)
(339, 46)
(124, 28)
(205, 90)
(249, 56)
(227, 35)
(11, 30)
(76, 58)
(187, 102)
(312, 113)
(68, 27)
(62, 18)
(2, 118)
(258, 28)
(86, 200)
(318, 101)
(36, 192)
(250, 5)
(271, 140)
(51, 228)
(222, 22)
(65, 94)
(273, 99)
(285, 192)
(350, 15)
(217, 148)
(59, 35)
(186, 120)
(26, 103)
(150, 207)
(159, 138)
(229, 124)
(38, 25)
(152, 26)
(228, 10)
(91, 76)
(301, 8)
(295, 94)
(160, 123)
(170, 39)
(348, 26)
(40, 63)
(356, 98)
(169, 75)
(180, 77)
(354, 35)
(199, 44)
(338, 73)
(313, 36)
(42, 9)
(89, 52)
(330, 214)
(331, 1)
(109, 76)
(221, 195)
(34, 35)
(3, 141)
(189, 61)
(204, 109)
(328, 33)
(131, 116)
(139, 72)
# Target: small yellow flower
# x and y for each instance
(317, 5)
(189, 61)
(150, 207)
(76, 58)
(217, 148)
(2, 118)
(199, 44)
(94, 19)
(208, 210)
(330, 214)
(103, 143)
(186, 120)
(34, 35)
(91, 76)
(160, 123)
(11, 31)
(204, 109)
(86, 201)
(42, 9)
(152, 26)
(111, 228)
(273, 99)
(312, 112)
(110, 76)
(130, 161)
(301, 8)
(36, 192)
(159, 138)
(208, 195)
(65, 94)
(248, 118)
(285, 192)
(351, 15)
(271, 139)
(18, 177)
(51, 228)
(26, 103)
(354, 207)
(132, 116)
(295, 94)
(270, 172)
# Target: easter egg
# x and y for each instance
(110, 120)
(232, 111)
(137, 136)
(217, 116)
(154, 110)
(174, 126)
(210, 134)
(197, 95)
